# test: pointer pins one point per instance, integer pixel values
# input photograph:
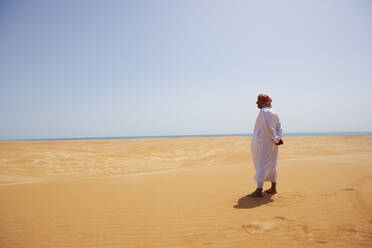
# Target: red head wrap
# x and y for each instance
(262, 98)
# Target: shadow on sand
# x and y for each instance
(252, 202)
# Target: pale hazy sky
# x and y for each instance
(77, 68)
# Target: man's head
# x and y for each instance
(263, 101)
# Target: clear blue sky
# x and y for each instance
(77, 68)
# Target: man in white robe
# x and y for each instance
(267, 136)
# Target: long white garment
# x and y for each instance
(267, 131)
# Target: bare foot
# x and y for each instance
(270, 191)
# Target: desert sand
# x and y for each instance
(184, 192)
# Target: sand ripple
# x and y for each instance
(36, 161)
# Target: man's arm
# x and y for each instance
(279, 133)
(269, 129)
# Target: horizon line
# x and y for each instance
(336, 133)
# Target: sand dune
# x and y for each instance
(184, 192)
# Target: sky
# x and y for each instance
(79, 68)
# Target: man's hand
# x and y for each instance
(280, 142)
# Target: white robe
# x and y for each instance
(267, 131)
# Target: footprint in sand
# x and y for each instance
(287, 199)
(257, 227)
(299, 232)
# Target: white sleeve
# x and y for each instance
(270, 130)
(279, 131)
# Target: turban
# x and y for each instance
(262, 98)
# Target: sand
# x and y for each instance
(184, 192)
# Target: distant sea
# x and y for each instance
(202, 135)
